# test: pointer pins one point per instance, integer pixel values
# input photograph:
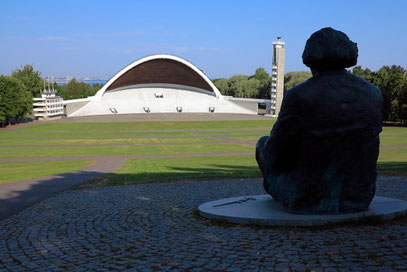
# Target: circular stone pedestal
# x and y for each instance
(264, 210)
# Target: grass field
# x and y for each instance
(31, 152)
(15, 171)
(105, 141)
(166, 169)
(137, 126)
(134, 171)
(158, 138)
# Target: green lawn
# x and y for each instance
(394, 130)
(134, 126)
(166, 169)
(187, 125)
(253, 138)
(393, 140)
(393, 155)
(392, 162)
(239, 132)
(105, 141)
(30, 152)
(16, 171)
(125, 135)
(61, 135)
(134, 171)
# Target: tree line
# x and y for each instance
(75, 89)
(243, 86)
(392, 81)
(257, 85)
(17, 92)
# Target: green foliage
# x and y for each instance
(222, 85)
(31, 79)
(237, 85)
(75, 89)
(15, 101)
(261, 74)
(292, 79)
(255, 86)
(392, 81)
(263, 90)
(367, 74)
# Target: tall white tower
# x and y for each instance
(277, 77)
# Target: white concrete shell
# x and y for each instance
(100, 93)
(157, 96)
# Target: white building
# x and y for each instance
(48, 106)
(159, 83)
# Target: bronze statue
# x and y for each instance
(322, 152)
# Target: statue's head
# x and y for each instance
(329, 49)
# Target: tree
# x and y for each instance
(15, 101)
(222, 84)
(292, 79)
(366, 74)
(96, 87)
(251, 88)
(392, 81)
(31, 79)
(261, 75)
(237, 85)
(264, 89)
(75, 89)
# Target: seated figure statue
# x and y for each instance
(321, 155)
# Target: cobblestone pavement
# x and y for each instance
(155, 227)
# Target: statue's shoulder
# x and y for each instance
(300, 87)
(299, 90)
(300, 96)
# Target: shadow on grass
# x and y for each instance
(218, 171)
(392, 168)
(214, 171)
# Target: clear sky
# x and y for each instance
(221, 37)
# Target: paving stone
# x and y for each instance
(131, 228)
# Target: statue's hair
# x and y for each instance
(329, 48)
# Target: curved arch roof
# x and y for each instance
(160, 68)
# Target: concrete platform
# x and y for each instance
(264, 210)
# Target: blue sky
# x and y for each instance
(223, 38)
